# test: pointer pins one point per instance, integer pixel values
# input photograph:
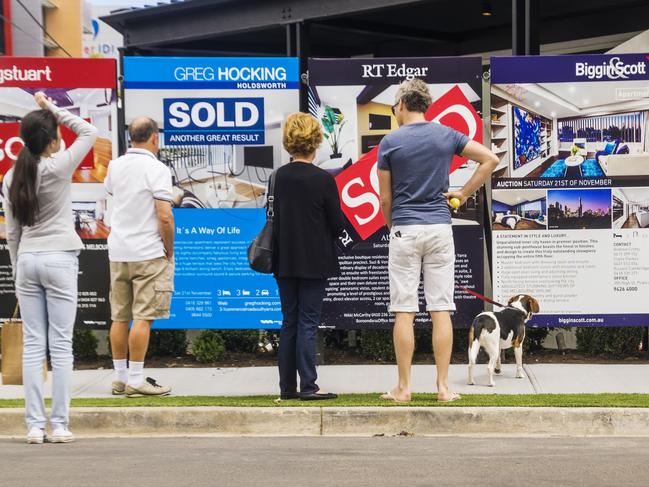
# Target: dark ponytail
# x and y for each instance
(37, 129)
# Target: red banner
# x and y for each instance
(454, 110)
(11, 144)
(51, 72)
(358, 185)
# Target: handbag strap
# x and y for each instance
(16, 312)
(270, 198)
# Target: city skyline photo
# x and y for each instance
(579, 208)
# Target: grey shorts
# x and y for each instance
(417, 248)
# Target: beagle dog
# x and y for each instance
(500, 330)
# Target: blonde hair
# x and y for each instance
(302, 134)
(415, 95)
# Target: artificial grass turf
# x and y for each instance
(367, 400)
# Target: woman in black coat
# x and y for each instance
(308, 220)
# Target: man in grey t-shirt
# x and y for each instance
(414, 162)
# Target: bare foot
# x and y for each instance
(396, 395)
(448, 396)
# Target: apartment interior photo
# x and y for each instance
(519, 209)
(223, 176)
(90, 213)
(362, 116)
(570, 130)
(89, 219)
(630, 208)
(218, 176)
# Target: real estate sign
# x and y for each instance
(221, 137)
(570, 212)
(352, 98)
(86, 87)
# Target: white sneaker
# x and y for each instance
(36, 436)
(61, 435)
(148, 388)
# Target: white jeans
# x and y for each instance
(46, 285)
(417, 248)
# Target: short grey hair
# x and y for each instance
(415, 95)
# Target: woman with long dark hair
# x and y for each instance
(44, 248)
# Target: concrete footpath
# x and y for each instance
(361, 421)
(347, 379)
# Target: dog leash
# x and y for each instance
(480, 296)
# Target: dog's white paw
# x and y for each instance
(470, 382)
(492, 384)
(520, 375)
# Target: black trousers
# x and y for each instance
(301, 308)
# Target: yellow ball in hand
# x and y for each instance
(454, 202)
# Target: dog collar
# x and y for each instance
(518, 309)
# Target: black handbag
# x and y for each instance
(260, 251)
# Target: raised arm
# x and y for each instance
(65, 163)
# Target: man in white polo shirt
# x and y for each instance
(140, 249)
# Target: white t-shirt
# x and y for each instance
(135, 181)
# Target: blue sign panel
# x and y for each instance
(214, 121)
(214, 286)
(221, 137)
(204, 73)
(557, 69)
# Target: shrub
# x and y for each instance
(240, 340)
(167, 343)
(618, 342)
(208, 347)
(424, 340)
(460, 340)
(377, 345)
(336, 339)
(84, 344)
(534, 339)
(270, 341)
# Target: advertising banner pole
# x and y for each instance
(303, 42)
(532, 35)
(486, 107)
(518, 27)
(121, 124)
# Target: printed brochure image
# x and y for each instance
(572, 137)
(353, 99)
(87, 88)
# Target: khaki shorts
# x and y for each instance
(417, 248)
(141, 290)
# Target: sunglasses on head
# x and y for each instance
(394, 107)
